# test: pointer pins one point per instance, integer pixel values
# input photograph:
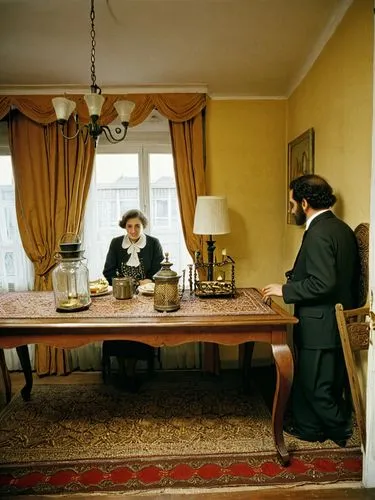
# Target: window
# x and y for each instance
(138, 176)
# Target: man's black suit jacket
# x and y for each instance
(326, 272)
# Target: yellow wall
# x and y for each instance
(245, 162)
(247, 151)
(336, 99)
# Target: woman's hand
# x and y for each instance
(143, 282)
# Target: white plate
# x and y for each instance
(101, 294)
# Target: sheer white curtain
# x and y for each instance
(16, 270)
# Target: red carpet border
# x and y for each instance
(197, 471)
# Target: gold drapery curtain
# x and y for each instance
(189, 167)
(185, 113)
(188, 145)
(52, 177)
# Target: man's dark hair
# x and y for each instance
(314, 189)
(133, 214)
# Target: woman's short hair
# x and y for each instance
(314, 189)
(133, 214)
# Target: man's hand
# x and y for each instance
(273, 289)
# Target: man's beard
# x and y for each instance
(300, 216)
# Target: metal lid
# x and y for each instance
(165, 271)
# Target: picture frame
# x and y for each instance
(300, 161)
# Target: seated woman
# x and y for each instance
(139, 256)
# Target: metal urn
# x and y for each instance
(167, 294)
(70, 278)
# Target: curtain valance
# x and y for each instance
(175, 107)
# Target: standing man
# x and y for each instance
(325, 272)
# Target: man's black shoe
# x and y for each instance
(340, 439)
(295, 432)
(339, 435)
(340, 442)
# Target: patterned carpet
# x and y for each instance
(181, 431)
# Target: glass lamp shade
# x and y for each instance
(94, 103)
(211, 215)
(63, 107)
(124, 110)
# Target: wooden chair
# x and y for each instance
(354, 328)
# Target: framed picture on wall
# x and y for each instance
(300, 161)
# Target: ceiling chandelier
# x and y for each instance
(94, 101)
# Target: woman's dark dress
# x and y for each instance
(150, 258)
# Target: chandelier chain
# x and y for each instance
(93, 45)
(65, 107)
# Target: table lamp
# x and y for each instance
(211, 217)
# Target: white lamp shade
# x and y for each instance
(63, 107)
(211, 215)
(124, 110)
(94, 103)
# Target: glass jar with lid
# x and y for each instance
(70, 279)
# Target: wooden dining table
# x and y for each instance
(31, 318)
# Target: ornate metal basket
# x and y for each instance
(223, 284)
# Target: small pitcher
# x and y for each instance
(123, 288)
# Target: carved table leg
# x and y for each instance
(24, 357)
(284, 369)
(6, 377)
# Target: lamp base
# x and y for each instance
(210, 258)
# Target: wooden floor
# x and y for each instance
(297, 493)
(341, 491)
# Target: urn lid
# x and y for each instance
(165, 272)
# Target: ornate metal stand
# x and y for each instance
(218, 286)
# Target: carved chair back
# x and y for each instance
(354, 328)
(362, 233)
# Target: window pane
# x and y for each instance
(115, 189)
(117, 183)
